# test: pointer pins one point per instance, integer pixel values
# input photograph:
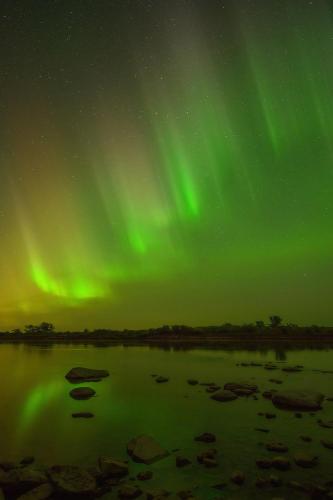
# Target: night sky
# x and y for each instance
(165, 162)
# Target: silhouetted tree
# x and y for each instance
(41, 328)
(275, 321)
(260, 324)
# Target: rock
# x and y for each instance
(161, 380)
(209, 462)
(208, 457)
(327, 444)
(241, 389)
(238, 477)
(292, 369)
(305, 460)
(281, 463)
(270, 416)
(72, 480)
(306, 439)
(158, 494)
(326, 424)
(145, 449)
(41, 492)
(277, 447)
(80, 374)
(192, 382)
(182, 461)
(275, 480)
(82, 393)
(268, 394)
(275, 381)
(264, 463)
(206, 437)
(129, 491)
(261, 482)
(213, 388)
(298, 400)
(83, 414)
(27, 460)
(20, 480)
(111, 467)
(224, 396)
(144, 475)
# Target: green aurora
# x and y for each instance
(166, 162)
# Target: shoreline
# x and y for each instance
(234, 340)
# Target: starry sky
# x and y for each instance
(165, 162)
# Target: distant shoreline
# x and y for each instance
(235, 339)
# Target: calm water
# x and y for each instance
(36, 410)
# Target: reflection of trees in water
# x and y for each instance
(280, 355)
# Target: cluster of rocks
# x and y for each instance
(24, 481)
(78, 375)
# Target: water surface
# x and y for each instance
(36, 409)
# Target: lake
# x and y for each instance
(36, 411)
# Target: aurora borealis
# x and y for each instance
(166, 162)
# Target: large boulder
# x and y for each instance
(241, 389)
(111, 467)
(82, 393)
(80, 374)
(70, 480)
(224, 396)
(298, 400)
(145, 449)
(20, 480)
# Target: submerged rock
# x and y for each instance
(82, 393)
(298, 400)
(80, 374)
(327, 424)
(129, 491)
(281, 463)
(224, 396)
(146, 450)
(241, 389)
(182, 461)
(238, 477)
(327, 444)
(72, 480)
(277, 447)
(305, 460)
(111, 467)
(144, 475)
(161, 380)
(206, 437)
(213, 388)
(83, 414)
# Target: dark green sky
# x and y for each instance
(166, 162)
